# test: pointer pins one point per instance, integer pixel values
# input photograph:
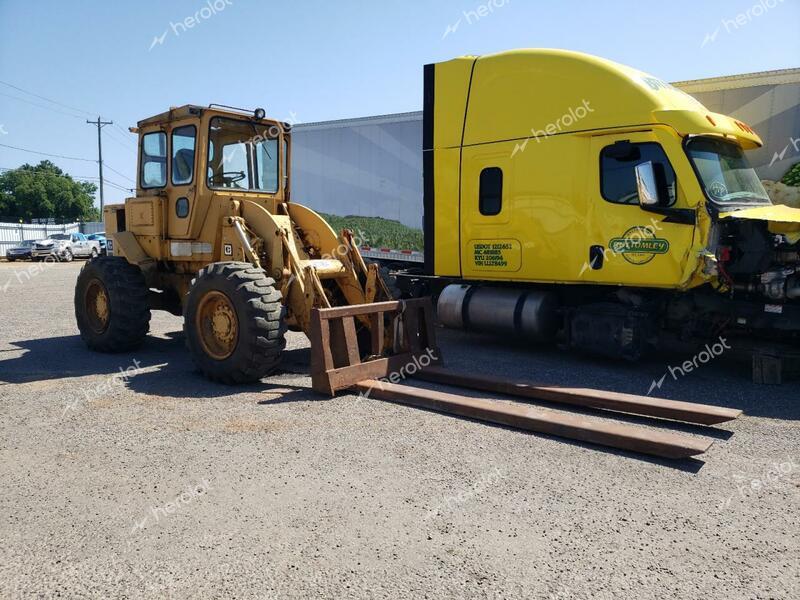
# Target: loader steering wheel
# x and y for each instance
(227, 177)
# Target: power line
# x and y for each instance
(124, 138)
(121, 174)
(48, 154)
(40, 173)
(120, 144)
(123, 130)
(41, 106)
(45, 98)
(86, 178)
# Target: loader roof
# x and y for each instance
(194, 110)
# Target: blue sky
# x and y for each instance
(315, 60)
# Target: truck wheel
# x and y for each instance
(67, 257)
(235, 323)
(111, 305)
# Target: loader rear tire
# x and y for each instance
(235, 323)
(111, 304)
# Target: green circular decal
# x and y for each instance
(639, 245)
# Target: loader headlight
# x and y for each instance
(259, 113)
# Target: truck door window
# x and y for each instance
(183, 155)
(618, 175)
(154, 160)
(491, 191)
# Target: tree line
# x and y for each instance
(44, 191)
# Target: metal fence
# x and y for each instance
(12, 234)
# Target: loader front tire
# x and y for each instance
(235, 323)
(111, 304)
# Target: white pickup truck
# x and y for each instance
(65, 247)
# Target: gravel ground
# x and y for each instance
(166, 485)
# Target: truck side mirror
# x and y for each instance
(651, 185)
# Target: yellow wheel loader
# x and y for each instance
(212, 235)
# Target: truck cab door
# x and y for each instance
(522, 210)
(628, 245)
(78, 243)
(182, 180)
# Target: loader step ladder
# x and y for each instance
(336, 365)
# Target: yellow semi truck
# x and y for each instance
(564, 192)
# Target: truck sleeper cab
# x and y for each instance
(596, 199)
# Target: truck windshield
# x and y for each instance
(725, 172)
(242, 156)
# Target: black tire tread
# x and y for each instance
(128, 297)
(262, 329)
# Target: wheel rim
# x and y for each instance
(97, 306)
(217, 325)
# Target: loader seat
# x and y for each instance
(183, 166)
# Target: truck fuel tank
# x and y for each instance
(529, 314)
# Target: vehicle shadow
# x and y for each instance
(161, 366)
(67, 356)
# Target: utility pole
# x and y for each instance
(100, 125)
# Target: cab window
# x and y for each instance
(617, 170)
(490, 201)
(243, 156)
(183, 139)
(154, 160)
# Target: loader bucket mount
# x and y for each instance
(401, 335)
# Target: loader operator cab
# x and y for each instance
(243, 151)
(195, 157)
